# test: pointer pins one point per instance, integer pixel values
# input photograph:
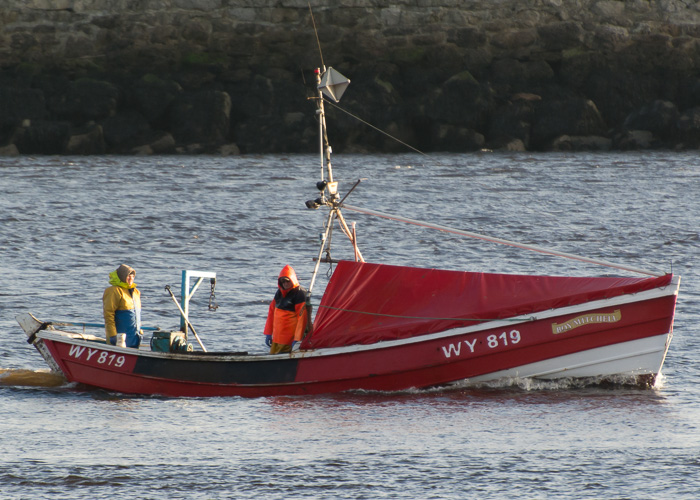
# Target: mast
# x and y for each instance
(332, 84)
(324, 145)
(320, 111)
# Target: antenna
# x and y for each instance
(318, 42)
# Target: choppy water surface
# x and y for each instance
(65, 223)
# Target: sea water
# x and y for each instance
(66, 222)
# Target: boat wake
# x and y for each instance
(532, 384)
(30, 378)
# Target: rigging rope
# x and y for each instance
(412, 148)
(491, 239)
(484, 320)
(376, 128)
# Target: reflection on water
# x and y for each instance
(30, 378)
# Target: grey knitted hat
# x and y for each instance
(124, 271)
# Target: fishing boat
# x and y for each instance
(383, 327)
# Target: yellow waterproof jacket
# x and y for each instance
(122, 310)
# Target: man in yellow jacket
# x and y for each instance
(122, 307)
(288, 315)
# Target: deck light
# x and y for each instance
(314, 204)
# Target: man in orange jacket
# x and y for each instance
(288, 315)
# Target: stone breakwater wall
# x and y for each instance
(228, 76)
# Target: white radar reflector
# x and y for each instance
(333, 84)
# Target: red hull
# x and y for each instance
(551, 339)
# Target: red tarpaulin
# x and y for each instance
(366, 303)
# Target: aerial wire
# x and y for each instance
(318, 42)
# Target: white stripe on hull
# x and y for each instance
(636, 357)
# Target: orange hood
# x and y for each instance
(288, 272)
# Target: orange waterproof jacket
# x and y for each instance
(287, 315)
